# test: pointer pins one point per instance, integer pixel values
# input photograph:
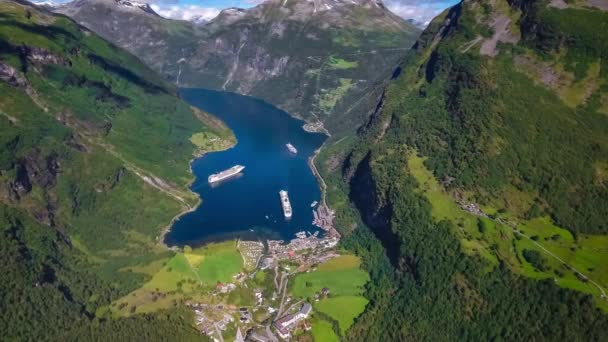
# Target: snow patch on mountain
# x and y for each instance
(197, 14)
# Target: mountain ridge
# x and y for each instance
(327, 61)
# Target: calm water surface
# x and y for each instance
(249, 206)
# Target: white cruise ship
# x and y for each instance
(231, 172)
(285, 203)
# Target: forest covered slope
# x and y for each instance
(94, 162)
(481, 178)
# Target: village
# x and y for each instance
(271, 313)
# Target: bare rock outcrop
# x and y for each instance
(12, 76)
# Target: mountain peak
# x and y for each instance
(362, 14)
(325, 5)
(134, 4)
(125, 5)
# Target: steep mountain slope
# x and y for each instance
(134, 26)
(481, 179)
(319, 60)
(94, 162)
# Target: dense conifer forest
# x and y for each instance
(489, 132)
(94, 162)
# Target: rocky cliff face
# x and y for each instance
(135, 27)
(319, 60)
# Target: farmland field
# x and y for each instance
(341, 275)
(345, 280)
(222, 261)
(322, 331)
(182, 275)
(177, 269)
(343, 309)
(585, 252)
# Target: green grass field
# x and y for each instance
(322, 331)
(586, 253)
(187, 274)
(345, 280)
(175, 279)
(210, 141)
(341, 275)
(222, 261)
(339, 63)
(343, 309)
(331, 97)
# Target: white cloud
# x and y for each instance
(420, 11)
(420, 14)
(186, 12)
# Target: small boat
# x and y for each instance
(291, 148)
(313, 204)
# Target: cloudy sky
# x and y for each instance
(419, 10)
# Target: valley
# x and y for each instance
(252, 197)
(445, 184)
(329, 58)
(250, 287)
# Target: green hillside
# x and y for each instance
(94, 164)
(508, 129)
(481, 178)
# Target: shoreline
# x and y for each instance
(316, 127)
(307, 127)
(317, 174)
(166, 229)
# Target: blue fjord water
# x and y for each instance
(251, 201)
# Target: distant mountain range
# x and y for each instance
(323, 61)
